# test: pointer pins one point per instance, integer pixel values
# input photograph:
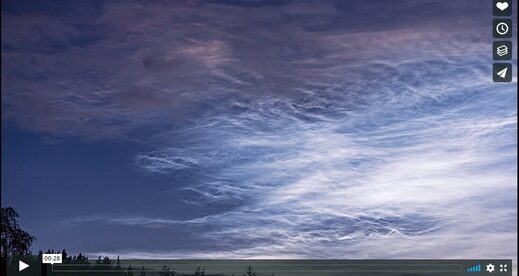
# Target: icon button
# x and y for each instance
(502, 72)
(502, 28)
(491, 267)
(502, 50)
(22, 266)
(502, 8)
(503, 268)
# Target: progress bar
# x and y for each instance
(288, 267)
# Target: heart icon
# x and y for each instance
(502, 5)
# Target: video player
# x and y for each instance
(259, 137)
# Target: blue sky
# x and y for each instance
(259, 129)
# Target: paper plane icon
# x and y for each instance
(502, 73)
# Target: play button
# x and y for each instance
(22, 265)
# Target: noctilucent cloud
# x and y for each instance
(259, 129)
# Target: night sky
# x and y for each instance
(259, 129)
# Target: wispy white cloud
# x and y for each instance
(423, 169)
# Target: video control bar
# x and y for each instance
(50, 265)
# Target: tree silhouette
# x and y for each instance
(166, 271)
(199, 272)
(250, 272)
(118, 263)
(81, 259)
(106, 261)
(15, 241)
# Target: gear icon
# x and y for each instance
(491, 267)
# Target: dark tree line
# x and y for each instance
(17, 242)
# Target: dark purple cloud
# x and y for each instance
(104, 69)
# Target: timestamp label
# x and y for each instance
(51, 258)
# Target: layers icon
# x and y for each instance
(502, 50)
